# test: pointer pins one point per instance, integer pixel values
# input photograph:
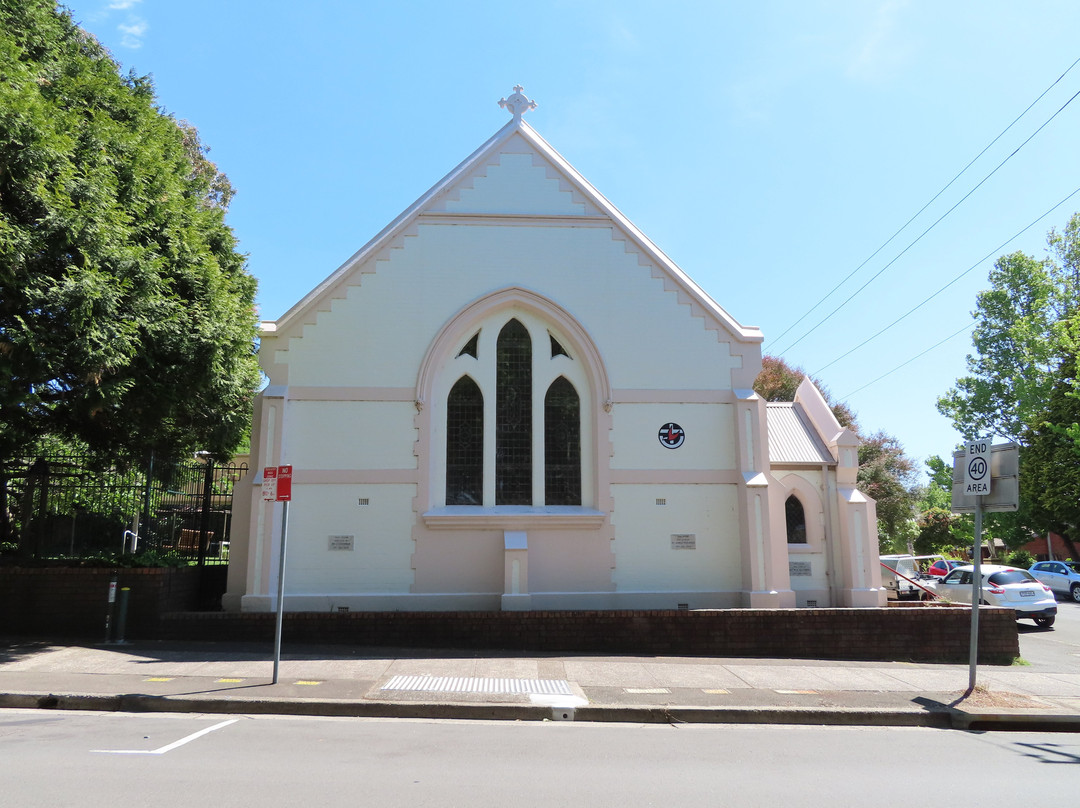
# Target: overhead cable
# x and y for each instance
(923, 208)
(931, 227)
(908, 362)
(995, 251)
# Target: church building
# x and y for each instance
(511, 399)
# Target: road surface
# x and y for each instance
(115, 759)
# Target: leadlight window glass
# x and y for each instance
(513, 416)
(796, 521)
(465, 444)
(562, 444)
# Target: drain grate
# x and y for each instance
(469, 684)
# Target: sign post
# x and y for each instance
(977, 484)
(277, 487)
(985, 480)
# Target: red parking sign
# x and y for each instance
(277, 484)
(284, 483)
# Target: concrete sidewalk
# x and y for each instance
(411, 683)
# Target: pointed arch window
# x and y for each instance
(515, 427)
(562, 444)
(796, 520)
(513, 415)
(465, 444)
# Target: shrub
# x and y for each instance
(1020, 558)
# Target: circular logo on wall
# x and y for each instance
(671, 436)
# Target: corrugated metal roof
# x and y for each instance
(791, 437)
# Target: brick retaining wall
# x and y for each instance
(63, 602)
(933, 634)
(72, 602)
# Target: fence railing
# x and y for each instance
(66, 505)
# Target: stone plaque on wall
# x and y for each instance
(341, 542)
(799, 569)
(683, 541)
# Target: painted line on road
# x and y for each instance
(228, 681)
(719, 691)
(796, 692)
(304, 682)
(169, 747)
(160, 679)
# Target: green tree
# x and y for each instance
(940, 475)
(939, 529)
(887, 475)
(1071, 429)
(1022, 384)
(1050, 464)
(126, 313)
(935, 531)
(1020, 339)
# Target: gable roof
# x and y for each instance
(792, 438)
(597, 204)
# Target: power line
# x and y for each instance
(950, 283)
(908, 362)
(932, 226)
(923, 208)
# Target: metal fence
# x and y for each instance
(74, 506)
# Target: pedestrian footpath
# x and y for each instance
(439, 684)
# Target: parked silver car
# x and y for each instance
(1061, 576)
(1009, 587)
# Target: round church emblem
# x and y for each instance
(671, 436)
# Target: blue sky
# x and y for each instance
(769, 148)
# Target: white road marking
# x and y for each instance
(168, 747)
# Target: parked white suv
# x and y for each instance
(1061, 576)
(1010, 587)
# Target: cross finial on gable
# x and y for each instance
(517, 103)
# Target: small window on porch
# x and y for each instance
(796, 521)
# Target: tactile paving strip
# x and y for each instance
(468, 684)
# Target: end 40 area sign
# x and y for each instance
(986, 474)
(977, 468)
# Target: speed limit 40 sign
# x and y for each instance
(977, 468)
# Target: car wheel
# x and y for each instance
(1074, 590)
(1044, 622)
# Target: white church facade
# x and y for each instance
(511, 399)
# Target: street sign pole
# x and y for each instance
(280, 589)
(976, 595)
(277, 487)
(976, 482)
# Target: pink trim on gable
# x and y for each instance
(512, 297)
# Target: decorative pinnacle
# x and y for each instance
(517, 103)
